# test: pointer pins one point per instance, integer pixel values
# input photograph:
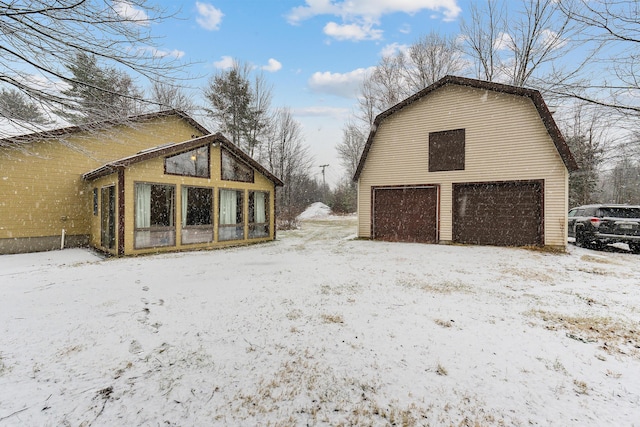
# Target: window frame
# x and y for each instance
(202, 233)
(95, 201)
(195, 174)
(254, 227)
(239, 233)
(238, 164)
(154, 231)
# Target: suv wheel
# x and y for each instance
(581, 240)
(635, 247)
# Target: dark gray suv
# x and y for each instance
(595, 226)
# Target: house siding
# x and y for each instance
(41, 186)
(505, 140)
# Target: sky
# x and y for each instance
(313, 52)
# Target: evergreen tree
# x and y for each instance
(229, 94)
(101, 93)
(15, 105)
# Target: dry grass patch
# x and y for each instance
(332, 318)
(529, 274)
(444, 323)
(614, 336)
(556, 250)
(439, 287)
(441, 370)
(598, 259)
(304, 390)
(580, 387)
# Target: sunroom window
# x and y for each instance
(258, 214)
(231, 225)
(234, 170)
(190, 163)
(154, 215)
(197, 215)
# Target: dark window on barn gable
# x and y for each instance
(446, 150)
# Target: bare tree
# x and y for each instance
(167, 96)
(350, 148)
(260, 109)
(398, 76)
(541, 36)
(585, 131)
(623, 182)
(430, 58)
(612, 29)
(288, 158)
(388, 80)
(481, 36)
(39, 38)
(521, 46)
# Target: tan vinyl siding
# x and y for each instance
(505, 140)
(41, 189)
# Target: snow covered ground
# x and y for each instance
(319, 328)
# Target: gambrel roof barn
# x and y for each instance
(466, 161)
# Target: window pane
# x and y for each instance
(154, 215)
(258, 214)
(231, 221)
(191, 163)
(234, 170)
(197, 206)
(161, 212)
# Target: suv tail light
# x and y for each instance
(594, 221)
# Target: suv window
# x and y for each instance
(590, 212)
(619, 212)
(580, 212)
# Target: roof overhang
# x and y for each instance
(176, 148)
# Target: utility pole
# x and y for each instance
(324, 184)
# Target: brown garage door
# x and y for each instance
(502, 214)
(405, 214)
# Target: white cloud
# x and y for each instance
(551, 40)
(346, 85)
(225, 63)
(405, 29)
(352, 32)
(210, 17)
(313, 8)
(321, 111)
(127, 11)
(371, 10)
(503, 42)
(393, 48)
(272, 66)
(157, 53)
